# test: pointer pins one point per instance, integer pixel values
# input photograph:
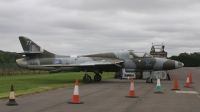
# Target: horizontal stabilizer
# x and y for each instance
(27, 52)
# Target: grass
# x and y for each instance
(34, 83)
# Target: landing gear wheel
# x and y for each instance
(87, 79)
(97, 78)
(149, 80)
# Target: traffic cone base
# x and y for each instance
(158, 92)
(11, 103)
(132, 96)
(75, 102)
(175, 89)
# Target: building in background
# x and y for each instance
(158, 51)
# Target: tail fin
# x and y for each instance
(29, 45)
(31, 48)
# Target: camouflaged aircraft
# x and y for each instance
(37, 58)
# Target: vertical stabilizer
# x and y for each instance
(31, 48)
(29, 45)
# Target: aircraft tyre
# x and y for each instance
(87, 79)
(97, 78)
(149, 80)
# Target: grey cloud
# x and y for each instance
(129, 5)
(82, 27)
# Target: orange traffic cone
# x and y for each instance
(12, 101)
(191, 80)
(175, 83)
(75, 99)
(187, 82)
(132, 91)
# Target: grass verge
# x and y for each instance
(28, 84)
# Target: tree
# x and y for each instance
(189, 60)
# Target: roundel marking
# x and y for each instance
(57, 61)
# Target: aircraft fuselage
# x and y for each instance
(37, 58)
(130, 64)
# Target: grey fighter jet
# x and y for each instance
(37, 58)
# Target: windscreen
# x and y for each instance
(140, 54)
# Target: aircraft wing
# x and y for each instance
(116, 62)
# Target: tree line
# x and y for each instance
(8, 57)
(189, 60)
(8, 65)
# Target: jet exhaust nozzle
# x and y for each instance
(22, 63)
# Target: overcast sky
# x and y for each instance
(73, 27)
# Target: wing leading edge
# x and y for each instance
(116, 62)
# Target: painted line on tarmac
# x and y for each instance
(187, 92)
(198, 96)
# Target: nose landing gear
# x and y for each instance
(149, 79)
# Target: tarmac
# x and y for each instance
(109, 96)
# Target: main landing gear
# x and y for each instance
(97, 77)
(149, 79)
(88, 79)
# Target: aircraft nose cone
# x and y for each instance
(22, 63)
(178, 64)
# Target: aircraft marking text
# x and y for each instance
(28, 42)
(34, 63)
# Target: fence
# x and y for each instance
(13, 69)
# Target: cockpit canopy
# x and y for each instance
(139, 55)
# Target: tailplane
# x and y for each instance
(31, 48)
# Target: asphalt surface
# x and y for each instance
(109, 96)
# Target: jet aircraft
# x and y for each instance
(37, 58)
